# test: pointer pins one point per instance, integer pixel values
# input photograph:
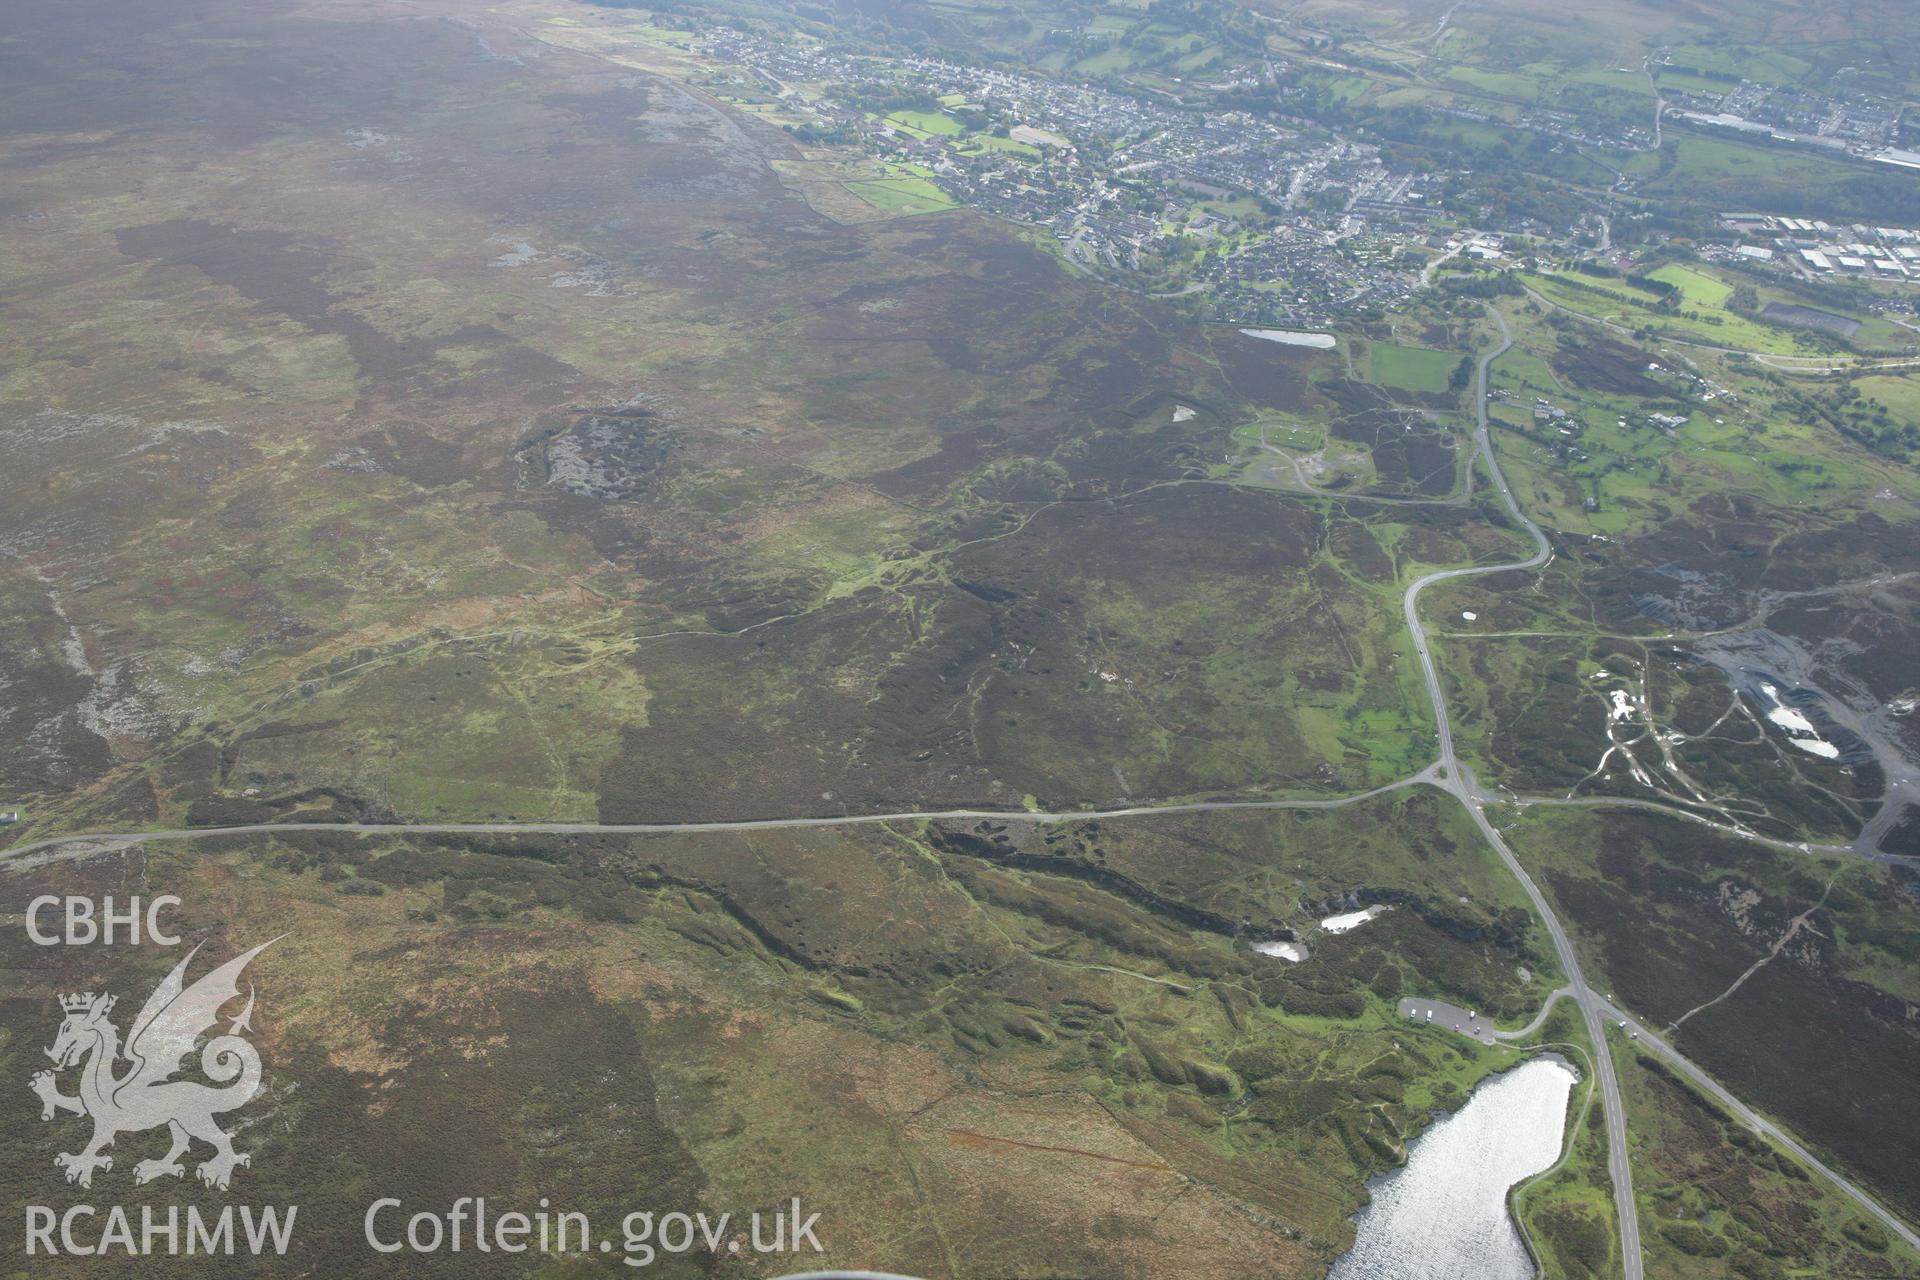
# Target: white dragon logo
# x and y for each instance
(146, 1096)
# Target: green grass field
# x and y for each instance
(1702, 287)
(1685, 83)
(1621, 303)
(989, 142)
(929, 122)
(1696, 285)
(1764, 66)
(1411, 368)
(1503, 83)
(1900, 392)
(1709, 167)
(902, 195)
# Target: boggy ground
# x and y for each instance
(1050, 655)
(1724, 1203)
(406, 418)
(425, 421)
(973, 1049)
(1674, 918)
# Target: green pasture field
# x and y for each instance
(929, 122)
(1411, 368)
(902, 195)
(1672, 79)
(990, 142)
(1695, 284)
(1634, 308)
(1506, 84)
(1747, 443)
(1761, 65)
(1899, 391)
(1345, 87)
(1708, 167)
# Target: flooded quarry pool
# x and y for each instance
(1444, 1215)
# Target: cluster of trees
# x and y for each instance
(1841, 406)
(1863, 419)
(813, 132)
(1855, 190)
(882, 101)
(1308, 95)
(1462, 374)
(1484, 284)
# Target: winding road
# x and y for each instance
(1707, 1084)
(1457, 779)
(1595, 1009)
(1539, 1019)
(1447, 773)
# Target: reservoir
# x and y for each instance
(1444, 1214)
(1293, 338)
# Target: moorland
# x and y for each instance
(426, 414)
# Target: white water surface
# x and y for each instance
(1800, 730)
(1293, 338)
(1351, 919)
(1443, 1215)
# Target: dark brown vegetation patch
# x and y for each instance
(989, 685)
(1606, 366)
(45, 745)
(1679, 916)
